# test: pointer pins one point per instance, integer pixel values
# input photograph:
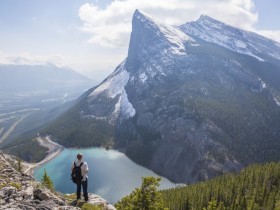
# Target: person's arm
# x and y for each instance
(85, 171)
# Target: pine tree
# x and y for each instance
(146, 197)
(256, 187)
(46, 181)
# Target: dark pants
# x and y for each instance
(84, 185)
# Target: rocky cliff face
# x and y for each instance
(189, 102)
(21, 191)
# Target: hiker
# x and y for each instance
(79, 176)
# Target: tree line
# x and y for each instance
(255, 188)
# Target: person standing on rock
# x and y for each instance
(80, 168)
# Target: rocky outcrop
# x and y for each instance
(21, 191)
(94, 200)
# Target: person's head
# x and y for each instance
(79, 156)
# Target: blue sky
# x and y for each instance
(269, 15)
(92, 36)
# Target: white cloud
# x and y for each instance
(26, 58)
(111, 26)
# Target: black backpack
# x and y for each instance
(76, 174)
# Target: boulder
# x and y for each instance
(41, 194)
(28, 193)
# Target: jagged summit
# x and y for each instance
(138, 14)
(232, 38)
(146, 28)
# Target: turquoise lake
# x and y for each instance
(112, 175)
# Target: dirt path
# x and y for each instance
(54, 150)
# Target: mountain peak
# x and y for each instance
(144, 30)
(143, 16)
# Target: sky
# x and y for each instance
(92, 36)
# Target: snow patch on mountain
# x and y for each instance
(276, 101)
(240, 44)
(124, 107)
(143, 77)
(115, 86)
(262, 84)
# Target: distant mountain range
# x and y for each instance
(189, 102)
(37, 85)
(16, 78)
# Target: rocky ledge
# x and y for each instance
(21, 191)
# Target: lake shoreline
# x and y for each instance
(54, 149)
(112, 174)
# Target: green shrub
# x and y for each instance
(15, 184)
(146, 197)
(46, 181)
